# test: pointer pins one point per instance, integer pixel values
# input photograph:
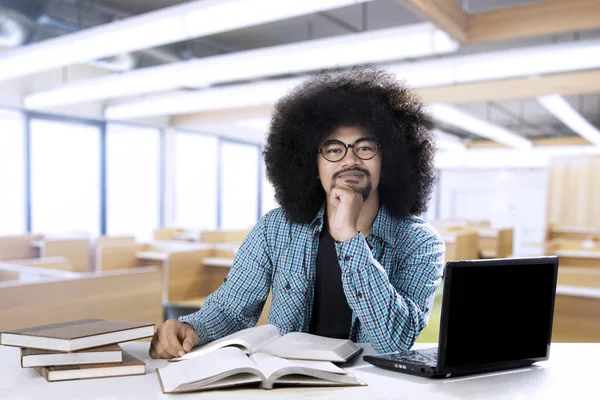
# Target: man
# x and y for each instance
(350, 155)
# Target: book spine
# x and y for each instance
(43, 372)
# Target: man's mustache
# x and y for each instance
(359, 169)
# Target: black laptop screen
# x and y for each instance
(499, 313)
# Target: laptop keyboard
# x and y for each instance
(422, 357)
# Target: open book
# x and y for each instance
(231, 366)
(266, 339)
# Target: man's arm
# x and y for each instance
(393, 313)
(239, 301)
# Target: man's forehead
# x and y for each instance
(348, 133)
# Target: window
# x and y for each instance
(65, 177)
(132, 180)
(195, 185)
(239, 185)
(12, 173)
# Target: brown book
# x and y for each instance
(129, 366)
(44, 358)
(77, 335)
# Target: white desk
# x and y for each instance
(152, 255)
(222, 262)
(571, 373)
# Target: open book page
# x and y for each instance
(298, 372)
(212, 368)
(304, 346)
(249, 340)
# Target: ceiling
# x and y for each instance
(526, 117)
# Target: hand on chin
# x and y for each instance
(346, 202)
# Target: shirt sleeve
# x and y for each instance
(239, 301)
(392, 311)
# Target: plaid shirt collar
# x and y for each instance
(382, 226)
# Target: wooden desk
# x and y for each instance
(152, 255)
(579, 258)
(569, 374)
(576, 313)
(222, 262)
(572, 232)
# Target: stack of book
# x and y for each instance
(82, 349)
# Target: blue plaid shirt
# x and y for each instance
(390, 287)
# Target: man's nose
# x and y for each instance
(350, 158)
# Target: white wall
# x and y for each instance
(507, 197)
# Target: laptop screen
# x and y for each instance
(499, 313)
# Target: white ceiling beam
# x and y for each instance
(454, 116)
(169, 25)
(448, 142)
(563, 111)
(339, 51)
(524, 62)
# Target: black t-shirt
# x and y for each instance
(331, 315)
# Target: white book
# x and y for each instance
(46, 358)
(231, 366)
(266, 339)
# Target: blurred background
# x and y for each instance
(131, 136)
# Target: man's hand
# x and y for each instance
(346, 205)
(173, 339)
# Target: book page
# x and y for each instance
(249, 340)
(304, 380)
(299, 345)
(206, 369)
(294, 372)
(270, 365)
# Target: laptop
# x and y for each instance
(496, 314)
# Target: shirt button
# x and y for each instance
(359, 294)
(347, 258)
(225, 280)
(288, 287)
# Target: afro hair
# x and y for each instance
(365, 97)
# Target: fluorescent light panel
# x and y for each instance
(562, 110)
(456, 117)
(453, 70)
(339, 51)
(170, 25)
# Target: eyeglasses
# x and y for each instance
(335, 150)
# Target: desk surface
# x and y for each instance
(570, 373)
(578, 253)
(222, 262)
(152, 255)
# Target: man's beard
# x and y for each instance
(365, 192)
